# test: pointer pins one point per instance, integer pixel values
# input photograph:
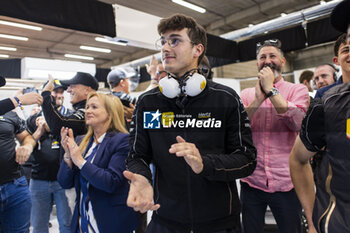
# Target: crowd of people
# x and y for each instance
(178, 149)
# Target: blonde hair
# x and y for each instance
(115, 110)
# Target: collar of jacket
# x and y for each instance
(79, 105)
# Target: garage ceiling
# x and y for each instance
(222, 16)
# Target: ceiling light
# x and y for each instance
(190, 5)
(102, 50)
(100, 39)
(21, 25)
(283, 14)
(4, 55)
(8, 48)
(13, 37)
(78, 57)
(250, 25)
(322, 2)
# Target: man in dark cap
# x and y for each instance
(326, 126)
(118, 81)
(119, 84)
(10, 103)
(79, 87)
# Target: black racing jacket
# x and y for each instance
(327, 125)
(55, 120)
(216, 122)
(46, 153)
(6, 105)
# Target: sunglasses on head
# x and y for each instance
(272, 42)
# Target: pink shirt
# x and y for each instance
(274, 135)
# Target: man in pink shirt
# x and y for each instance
(275, 109)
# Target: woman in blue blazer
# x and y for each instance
(95, 169)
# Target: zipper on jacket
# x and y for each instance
(230, 192)
(188, 171)
(332, 202)
(156, 184)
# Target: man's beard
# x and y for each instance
(277, 70)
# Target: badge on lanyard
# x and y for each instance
(55, 145)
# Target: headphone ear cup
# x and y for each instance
(169, 87)
(195, 85)
(313, 84)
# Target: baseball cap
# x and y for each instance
(2, 81)
(82, 78)
(340, 17)
(115, 76)
(56, 84)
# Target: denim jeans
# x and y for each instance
(15, 206)
(44, 194)
(285, 207)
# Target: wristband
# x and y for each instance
(19, 102)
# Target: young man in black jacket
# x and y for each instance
(198, 136)
(326, 127)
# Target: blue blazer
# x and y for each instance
(108, 188)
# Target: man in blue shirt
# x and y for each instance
(339, 44)
(324, 75)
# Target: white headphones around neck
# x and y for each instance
(191, 84)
